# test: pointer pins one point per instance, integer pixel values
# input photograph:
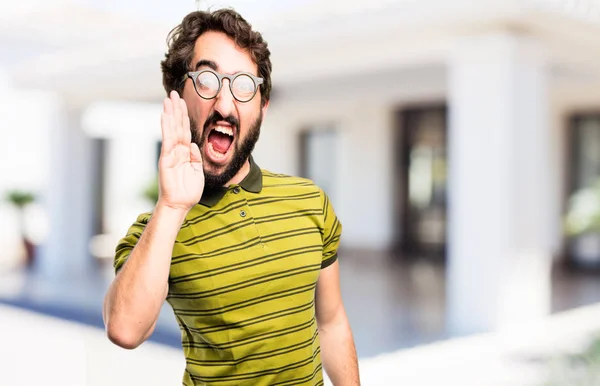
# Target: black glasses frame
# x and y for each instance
(193, 75)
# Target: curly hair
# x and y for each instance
(182, 38)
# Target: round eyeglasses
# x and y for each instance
(208, 84)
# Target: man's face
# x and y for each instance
(224, 129)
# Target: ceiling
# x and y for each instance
(89, 50)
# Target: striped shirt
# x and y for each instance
(242, 280)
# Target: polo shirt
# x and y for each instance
(242, 280)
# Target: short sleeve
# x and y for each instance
(332, 231)
(127, 243)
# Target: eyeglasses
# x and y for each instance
(208, 84)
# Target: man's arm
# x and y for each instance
(337, 344)
(134, 299)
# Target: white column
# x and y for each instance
(69, 198)
(499, 259)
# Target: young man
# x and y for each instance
(246, 258)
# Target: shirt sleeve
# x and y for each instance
(127, 243)
(332, 231)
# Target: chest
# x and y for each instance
(246, 249)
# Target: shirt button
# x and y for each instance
(243, 213)
(236, 190)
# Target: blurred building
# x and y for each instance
(452, 131)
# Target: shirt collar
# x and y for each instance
(251, 183)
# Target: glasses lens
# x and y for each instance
(243, 88)
(207, 84)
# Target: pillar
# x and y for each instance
(499, 141)
(69, 198)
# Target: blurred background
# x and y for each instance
(458, 141)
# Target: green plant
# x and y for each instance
(583, 214)
(20, 198)
(151, 191)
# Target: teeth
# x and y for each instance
(224, 130)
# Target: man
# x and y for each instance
(246, 258)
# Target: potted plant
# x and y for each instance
(20, 199)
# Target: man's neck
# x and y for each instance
(240, 175)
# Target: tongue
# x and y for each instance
(220, 142)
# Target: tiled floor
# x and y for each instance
(390, 305)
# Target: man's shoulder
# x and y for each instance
(140, 223)
(143, 218)
(287, 181)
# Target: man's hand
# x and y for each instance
(181, 177)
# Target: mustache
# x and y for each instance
(216, 117)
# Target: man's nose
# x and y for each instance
(224, 100)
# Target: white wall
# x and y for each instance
(558, 122)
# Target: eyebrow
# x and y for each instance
(206, 63)
(212, 65)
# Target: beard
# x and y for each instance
(242, 147)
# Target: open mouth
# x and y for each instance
(219, 142)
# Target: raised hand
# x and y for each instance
(181, 178)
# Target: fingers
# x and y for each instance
(175, 122)
(169, 137)
(168, 106)
(187, 134)
(177, 115)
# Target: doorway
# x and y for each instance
(421, 183)
(583, 250)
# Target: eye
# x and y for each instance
(244, 86)
(207, 81)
